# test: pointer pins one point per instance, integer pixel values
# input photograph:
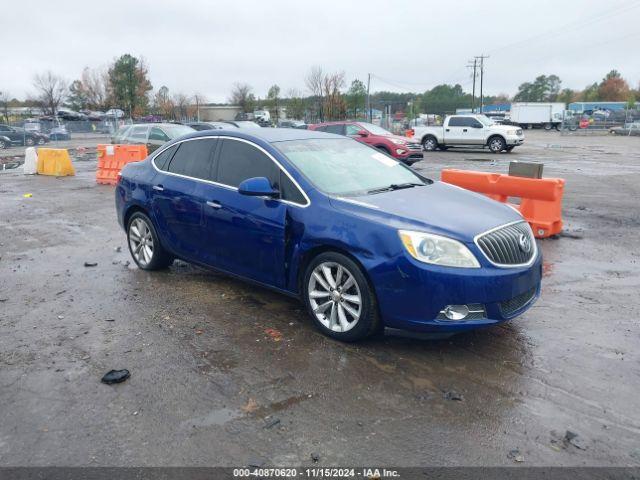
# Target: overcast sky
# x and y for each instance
(205, 46)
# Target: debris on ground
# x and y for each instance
(275, 335)
(315, 457)
(28, 195)
(515, 455)
(569, 439)
(118, 249)
(271, 422)
(115, 376)
(453, 395)
(90, 264)
(250, 407)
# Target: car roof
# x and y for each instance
(270, 135)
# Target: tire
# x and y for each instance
(41, 141)
(384, 150)
(548, 126)
(29, 142)
(335, 311)
(443, 148)
(429, 143)
(496, 144)
(3, 145)
(152, 255)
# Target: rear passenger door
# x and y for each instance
(137, 135)
(456, 131)
(249, 232)
(178, 198)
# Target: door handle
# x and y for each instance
(158, 188)
(446, 130)
(214, 204)
(464, 129)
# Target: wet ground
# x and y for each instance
(224, 373)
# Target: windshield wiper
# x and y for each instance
(395, 186)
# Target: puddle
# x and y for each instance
(216, 417)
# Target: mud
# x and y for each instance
(208, 373)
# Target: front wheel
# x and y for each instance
(430, 143)
(339, 298)
(144, 244)
(29, 142)
(3, 145)
(497, 144)
(41, 141)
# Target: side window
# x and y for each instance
(4, 129)
(321, 129)
(288, 190)
(165, 157)
(194, 159)
(239, 161)
(474, 123)
(456, 122)
(138, 133)
(158, 135)
(352, 130)
(339, 129)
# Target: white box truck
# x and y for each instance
(534, 114)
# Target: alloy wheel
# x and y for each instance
(141, 241)
(430, 144)
(496, 145)
(334, 296)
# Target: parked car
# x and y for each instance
(471, 131)
(59, 132)
(153, 135)
(244, 124)
(291, 124)
(20, 136)
(70, 115)
(364, 241)
(401, 148)
(628, 129)
(199, 126)
(5, 142)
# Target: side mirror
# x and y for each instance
(257, 187)
(363, 133)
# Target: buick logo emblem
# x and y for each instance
(524, 242)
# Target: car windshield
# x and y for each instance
(375, 129)
(175, 131)
(345, 167)
(486, 120)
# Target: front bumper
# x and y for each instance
(514, 140)
(408, 154)
(411, 295)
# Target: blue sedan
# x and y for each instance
(363, 240)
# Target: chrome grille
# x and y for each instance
(506, 245)
(509, 307)
(476, 312)
(414, 147)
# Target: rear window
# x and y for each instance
(165, 157)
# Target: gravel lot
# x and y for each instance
(224, 373)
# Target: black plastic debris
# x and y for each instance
(315, 457)
(451, 395)
(90, 264)
(271, 422)
(115, 376)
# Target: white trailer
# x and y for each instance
(531, 115)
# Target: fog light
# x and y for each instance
(399, 151)
(456, 312)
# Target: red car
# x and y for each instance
(404, 149)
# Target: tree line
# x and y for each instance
(125, 84)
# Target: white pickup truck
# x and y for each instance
(471, 131)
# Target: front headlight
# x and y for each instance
(512, 132)
(437, 250)
(398, 141)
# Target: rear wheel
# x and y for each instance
(548, 126)
(3, 145)
(41, 141)
(339, 298)
(29, 142)
(144, 244)
(497, 144)
(430, 143)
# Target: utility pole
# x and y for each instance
(473, 95)
(369, 111)
(481, 57)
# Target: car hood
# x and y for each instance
(438, 208)
(399, 137)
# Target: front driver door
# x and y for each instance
(249, 232)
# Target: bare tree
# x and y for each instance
(199, 99)
(241, 95)
(334, 106)
(315, 82)
(183, 104)
(295, 104)
(52, 90)
(95, 82)
(4, 105)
